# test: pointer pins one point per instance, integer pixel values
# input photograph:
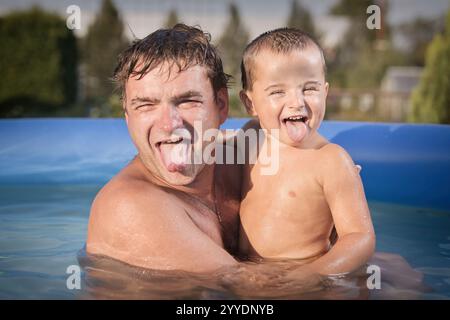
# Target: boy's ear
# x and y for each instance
(247, 101)
(223, 104)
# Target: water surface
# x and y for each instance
(43, 231)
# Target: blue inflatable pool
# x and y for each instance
(402, 163)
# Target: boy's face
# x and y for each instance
(288, 93)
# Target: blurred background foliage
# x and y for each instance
(431, 99)
(38, 63)
(104, 41)
(50, 71)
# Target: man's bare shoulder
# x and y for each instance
(126, 204)
(144, 225)
(126, 190)
(252, 124)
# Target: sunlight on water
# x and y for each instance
(43, 228)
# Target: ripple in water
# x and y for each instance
(107, 278)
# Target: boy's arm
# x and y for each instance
(344, 193)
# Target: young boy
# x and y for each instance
(291, 214)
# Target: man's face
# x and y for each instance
(289, 93)
(161, 109)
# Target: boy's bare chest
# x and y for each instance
(296, 180)
(290, 196)
(284, 209)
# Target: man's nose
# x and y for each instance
(170, 118)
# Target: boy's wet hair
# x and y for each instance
(181, 46)
(282, 40)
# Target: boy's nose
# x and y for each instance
(170, 119)
(296, 100)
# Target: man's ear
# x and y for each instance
(222, 103)
(124, 107)
(327, 86)
(247, 101)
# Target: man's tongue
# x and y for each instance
(175, 156)
(296, 130)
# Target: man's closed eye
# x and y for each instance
(145, 107)
(188, 104)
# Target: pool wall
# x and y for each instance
(402, 163)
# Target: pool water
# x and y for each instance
(43, 231)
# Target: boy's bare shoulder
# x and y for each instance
(332, 150)
(334, 157)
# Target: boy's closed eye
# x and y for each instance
(311, 89)
(276, 92)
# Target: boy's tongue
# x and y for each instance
(296, 130)
(175, 156)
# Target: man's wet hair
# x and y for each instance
(282, 40)
(181, 46)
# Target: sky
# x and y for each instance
(144, 16)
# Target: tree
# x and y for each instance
(38, 63)
(300, 18)
(232, 42)
(418, 34)
(103, 42)
(363, 55)
(431, 98)
(231, 46)
(172, 19)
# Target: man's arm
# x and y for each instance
(344, 193)
(150, 231)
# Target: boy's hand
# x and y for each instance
(272, 280)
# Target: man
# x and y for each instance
(163, 210)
